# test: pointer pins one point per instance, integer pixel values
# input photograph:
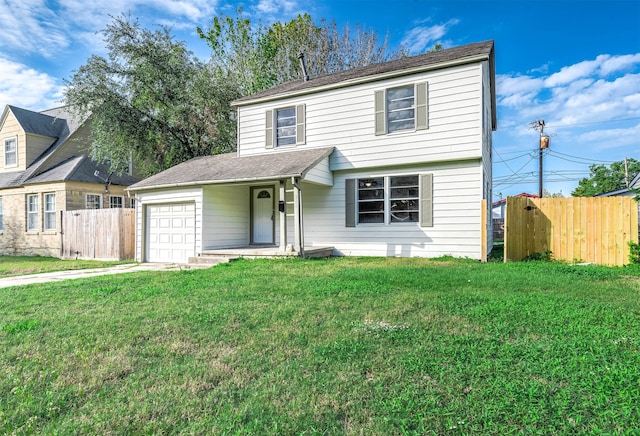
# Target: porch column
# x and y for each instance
(283, 215)
(297, 216)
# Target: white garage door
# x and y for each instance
(170, 232)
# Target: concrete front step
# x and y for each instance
(209, 260)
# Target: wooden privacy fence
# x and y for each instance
(106, 234)
(593, 229)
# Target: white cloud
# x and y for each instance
(612, 138)
(29, 26)
(25, 87)
(420, 38)
(574, 72)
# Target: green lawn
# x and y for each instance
(335, 346)
(19, 265)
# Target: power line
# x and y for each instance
(553, 152)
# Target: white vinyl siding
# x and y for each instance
(49, 211)
(32, 213)
(345, 118)
(93, 201)
(226, 216)
(455, 227)
(11, 152)
(1, 214)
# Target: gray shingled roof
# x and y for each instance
(224, 168)
(39, 124)
(81, 169)
(78, 168)
(433, 60)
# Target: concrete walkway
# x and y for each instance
(82, 273)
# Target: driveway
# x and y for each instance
(82, 273)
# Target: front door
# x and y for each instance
(262, 216)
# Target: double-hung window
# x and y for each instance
(93, 201)
(115, 201)
(285, 126)
(389, 200)
(49, 211)
(11, 152)
(402, 108)
(32, 213)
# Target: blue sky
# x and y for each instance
(574, 64)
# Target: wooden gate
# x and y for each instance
(584, 229)
(106, 234)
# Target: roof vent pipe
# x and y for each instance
(303, 66)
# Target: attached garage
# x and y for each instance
(170, 232)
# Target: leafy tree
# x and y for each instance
(152, 99)
(605, 179)
(265, 56)
(549, 194)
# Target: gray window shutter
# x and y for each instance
(381, 128)
(422, 110)
(350, 202)
(426, 200)
(269, 129)
(300, 123)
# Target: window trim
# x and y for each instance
(49, 213)
(271, 126)
(113, 197)
(32, 213)
(13, 139)
(420, 109)
(424, 201)
(86, 200)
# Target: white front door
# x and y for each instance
(262, 220)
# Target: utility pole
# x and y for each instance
(544, 144)
(626, 172)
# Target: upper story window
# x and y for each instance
(49, 211)
(285, 126)
(11, 152)
(403, 108)
(32, 213)
(93, 201)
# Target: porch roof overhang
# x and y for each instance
(231, 168)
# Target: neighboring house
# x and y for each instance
(392, 159)
(634, 185)
(44, 170)
(497, 207)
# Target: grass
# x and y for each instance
(20, 265)
(336, 346)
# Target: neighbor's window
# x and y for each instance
(93, 201)
(11, 152)
(400, 109)
(115, 201)
(49, 211)
(32, 212)
(286, 126)
(0, 214)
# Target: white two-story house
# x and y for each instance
(392, 159)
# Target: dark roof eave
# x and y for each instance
(373, 78)
(214, 182)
